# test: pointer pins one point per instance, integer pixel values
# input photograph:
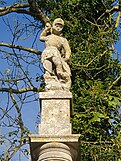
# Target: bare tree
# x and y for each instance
(18, 86)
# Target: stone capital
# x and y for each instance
(54, 148)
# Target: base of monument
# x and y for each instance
(54, 148)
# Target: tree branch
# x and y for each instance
(13, 8)
(114, 83)
(114, 9)
(21, 48)
(118, 20)
(33, 10)
(22, 90)
(37, 12)
(20, 122)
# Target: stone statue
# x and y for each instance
(55, 57)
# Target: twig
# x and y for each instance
(22, 90)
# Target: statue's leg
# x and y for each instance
(57, 62)
(59, 68)
(47, 64)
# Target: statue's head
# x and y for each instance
(57, 26)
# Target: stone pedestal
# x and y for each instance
(55, 141)
(55, 113)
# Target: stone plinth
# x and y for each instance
(54, 148)
(55, 113)
(55, 141)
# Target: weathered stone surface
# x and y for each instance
(59, 148)
(55, 113)
(55, 151)
(55, 94)
(56, 56)
(40, 139)
(55, 141)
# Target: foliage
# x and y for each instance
(96, 74)
(91, 28)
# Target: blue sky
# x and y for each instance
(29, 110)
(6, 37)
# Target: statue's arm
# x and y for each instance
(43, 35)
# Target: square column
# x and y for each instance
(55, 141)
(55, 113)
